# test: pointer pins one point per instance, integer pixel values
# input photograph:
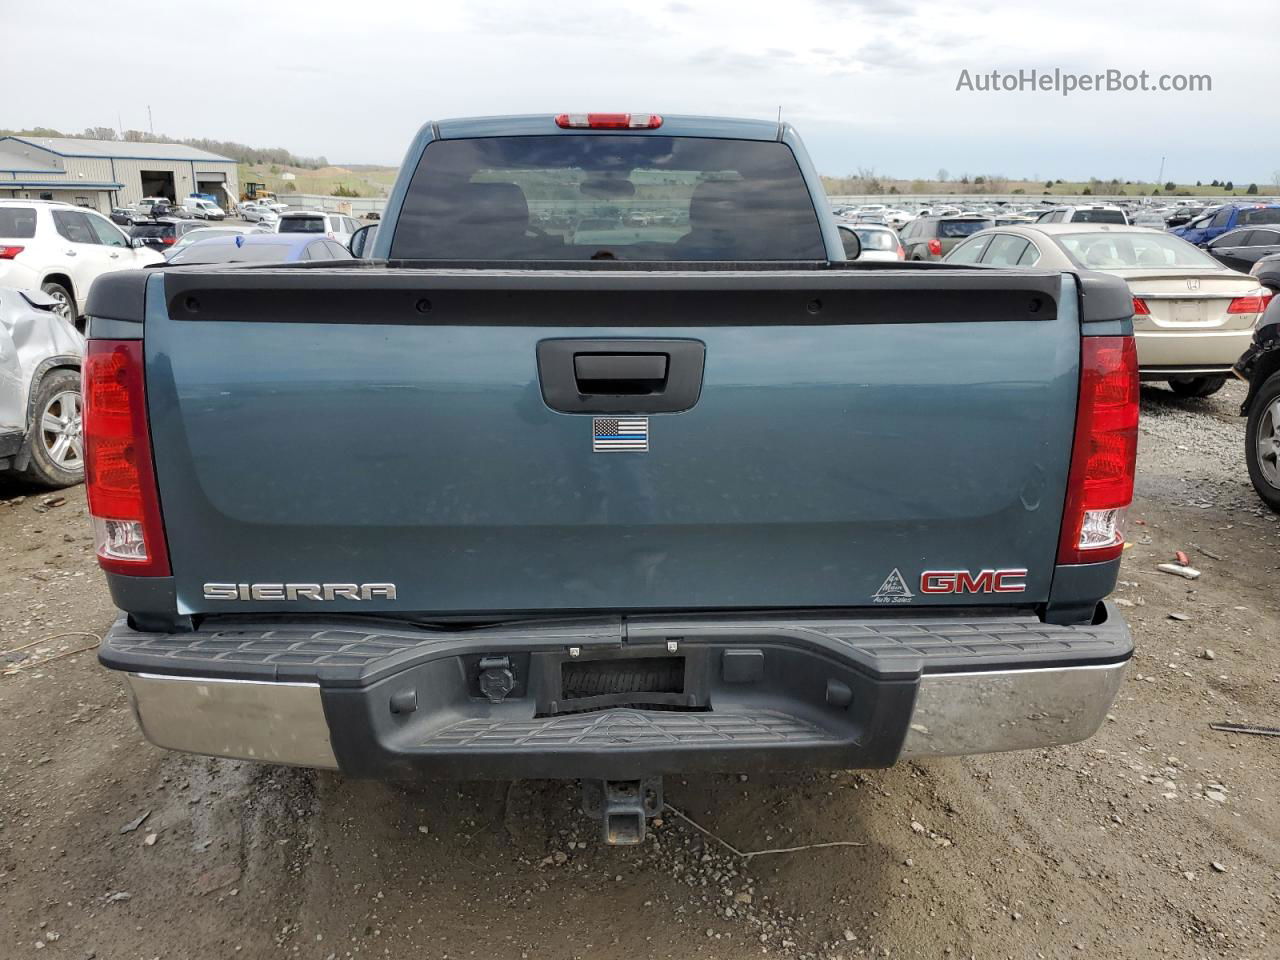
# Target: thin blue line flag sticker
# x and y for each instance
(619, 434)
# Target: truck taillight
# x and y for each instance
(120, 477)
(1104, 453)
(8, 253)
(935, 246)
(608, 121)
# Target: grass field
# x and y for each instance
(363, 179)
(368, 180)
(858, 186)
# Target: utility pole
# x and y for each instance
(151, 127)
(1160, 179)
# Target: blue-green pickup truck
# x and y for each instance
(608, 464)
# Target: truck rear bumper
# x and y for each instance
(622, 698)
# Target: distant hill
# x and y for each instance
(357, 180)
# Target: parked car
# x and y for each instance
(203, 209)
(1241, 248)
(1183, 215)
(40, 357)
(1192, 315)
(1226, 218)
(335, 226)
(871, 242)
(546, 594)
(163, 233)
(204, 233)
(259, 248)
(124, 216)
(1267, 270)
(61, 249)
(931, 238)
(1093, 213)
(259, 213)
(1259, 367)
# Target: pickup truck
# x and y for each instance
(691, 491)
(1226, 218)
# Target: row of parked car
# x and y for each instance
(1202, 311)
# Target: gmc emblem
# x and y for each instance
(962, 581)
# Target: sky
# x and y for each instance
(870, 84)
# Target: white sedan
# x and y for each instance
(1192, 316)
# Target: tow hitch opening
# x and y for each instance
(624, 807)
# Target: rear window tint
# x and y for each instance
(949, 229)
(302, 225)
(607, 197)
(1098, 216)
(17, 223)
(1260, 216)
(151, 230)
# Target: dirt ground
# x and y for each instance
(1157, 838)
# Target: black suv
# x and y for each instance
(163, 233)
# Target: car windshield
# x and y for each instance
(302, 225)
(218, 252)
(876, 239)
(17, 223)
(1265, 215)
(949, 229)
(608, 197)
(1103, 251)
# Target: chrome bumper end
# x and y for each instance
(991, 712)
(271, 722)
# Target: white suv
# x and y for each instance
(61, 249)
(335, 226)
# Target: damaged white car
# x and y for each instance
(40, 409)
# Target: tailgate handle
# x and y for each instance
(633, 374)
(620, 375)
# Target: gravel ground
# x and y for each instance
(1157, 838)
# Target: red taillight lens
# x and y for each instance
(935, 246)
(8, 253)
(1255, 303)
(1104, 454)
(609, 121)
(119, 476)
(168, 241)
(902, 254)
(1140, 308)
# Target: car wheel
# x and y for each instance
(1197, 386)
(1262, 442)
(66, 307)
(57, 443)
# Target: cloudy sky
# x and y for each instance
(869, 83)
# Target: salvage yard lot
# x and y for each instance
(1157, 838)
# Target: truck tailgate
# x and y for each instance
(393, 426)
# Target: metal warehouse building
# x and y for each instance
(111, 173)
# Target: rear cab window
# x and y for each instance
(1265, 215)
(607, 197)
(17, 223)
(1099, 216)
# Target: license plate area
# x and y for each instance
(640, 681)
(1187, 311)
